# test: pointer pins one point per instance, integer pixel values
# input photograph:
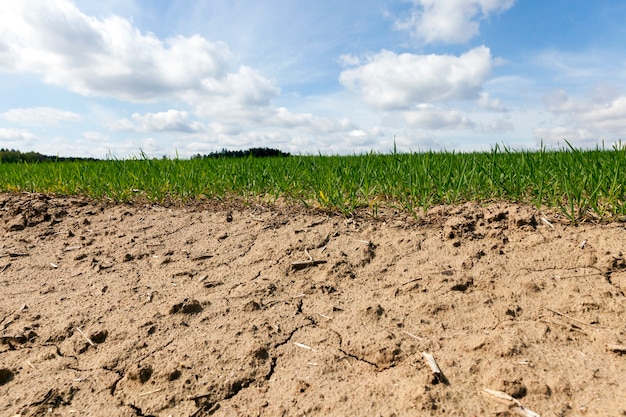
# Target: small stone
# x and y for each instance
(99, 336)
(143, 375)
(187, 307)
(174, 375)
(251, 306)
(6, 376)
(18, 223)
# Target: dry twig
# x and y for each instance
(13, 254)
(421, 339)
(296, 266)
(546, 221)
(85, 336)
(325, 316)
(568, 317)
(300, 345)
(437, 374)
(154, 391)
(617, 348)
(202, 257)
(511, 402)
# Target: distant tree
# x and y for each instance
(254, 152)
(14, 156)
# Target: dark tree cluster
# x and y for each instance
(255, 152)
(13, 156)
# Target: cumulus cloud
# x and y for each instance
(492, 104)
(558, 135)
(167, 121)
(40, 116)
(502, 124)
(390, 81)
(599, 116)
(607, 117)
(111, 58)
(271, 118)
(349, 60)
(558, 101)
(96, 137)
(449, 21)
(431, 118)
(277, 127)
(308, 122)
(16, 136)
(245, 95)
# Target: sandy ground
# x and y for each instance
(138, 310)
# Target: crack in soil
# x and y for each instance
(268, 376)
(139, 411)
(353, 356)
(120, 375)
(211, 406)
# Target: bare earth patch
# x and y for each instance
(136, 310)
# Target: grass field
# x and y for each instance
(580, 183)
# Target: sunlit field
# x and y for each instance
(582, 184)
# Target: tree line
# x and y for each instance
(255, 152)
(14, 156)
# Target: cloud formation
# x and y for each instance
(600, 116)
(167, 121)
(492, 104)
(390, 81)
(432, 118)
(46, 116)
(112, 58)
(449, 21)
(18, 136)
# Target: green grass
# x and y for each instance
(580, 183)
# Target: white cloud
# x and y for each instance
(488, 103)
(604, 113)
(607, 117)
(502, 124)
(450, 21)
(348, 60)
(168, 121)
(431, 118)
(96, 137)
(558, 136)
(19, 136)
(111, 58)
(558, 101)
(47, 116)
(391, 81)
(242, 96)
(233, 119)
(308, 122)
(584, 121)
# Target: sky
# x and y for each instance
(184, 77)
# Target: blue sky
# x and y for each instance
(117, 77)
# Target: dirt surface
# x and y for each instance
(138, 310)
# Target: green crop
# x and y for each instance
(579, 183)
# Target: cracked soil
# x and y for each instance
(143, 310)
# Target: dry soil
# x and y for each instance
(144, 310)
